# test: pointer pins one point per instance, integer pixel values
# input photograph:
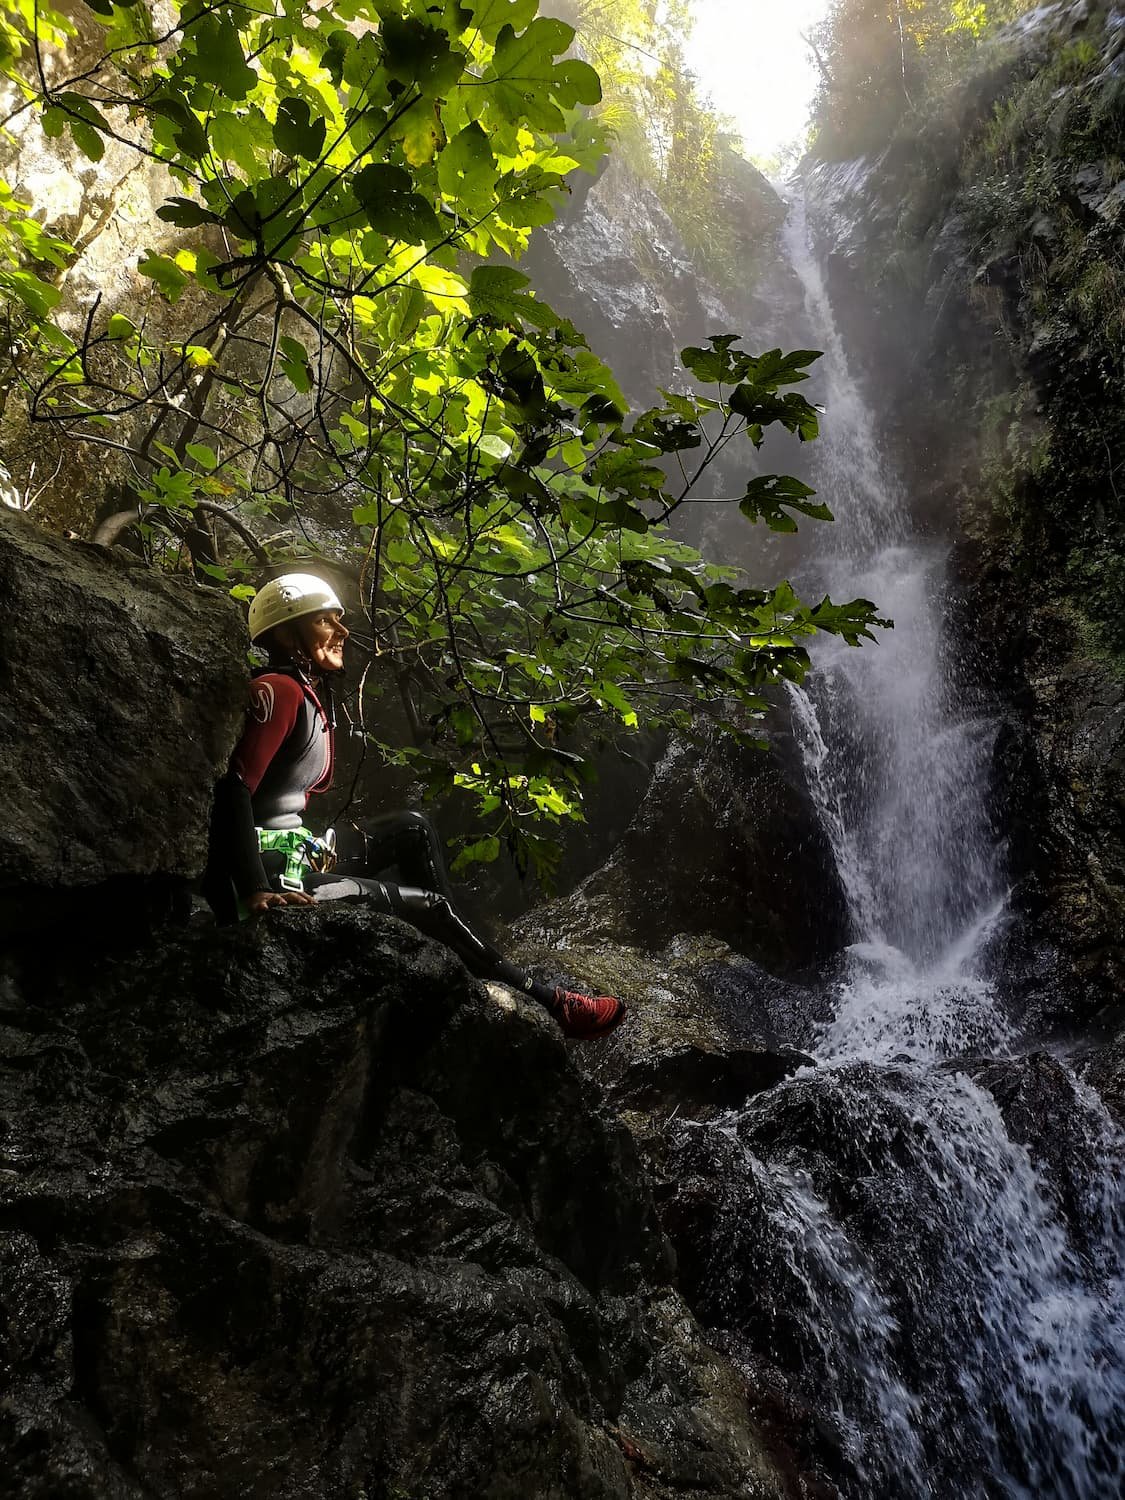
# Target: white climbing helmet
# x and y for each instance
(288, 598)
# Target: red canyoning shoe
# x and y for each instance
(586, 1017)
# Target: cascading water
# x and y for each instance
(884, 1239)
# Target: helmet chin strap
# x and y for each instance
(321, 681)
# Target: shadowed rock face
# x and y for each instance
(724, 843)
(121, 691)
(299, 1210)
(615, 264)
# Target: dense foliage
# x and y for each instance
(356, 356)
(880, 59)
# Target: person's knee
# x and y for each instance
(417, 903)
(417, 823)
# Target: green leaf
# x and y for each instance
(467, 171)
(295, 131)
(718, 364)
(295, 363)
(386, 195)
(667, 431)
(87, 139)
(769, 497)
(39, 297)
(792, 411)
(121, 327)
(852, 621)
(774, 369)
(527, 82)
(166, 273)
(186, 132)
(218, 57)
(496, 291)
(420, 133)
(186, 214)
(204, 456)
(610, 693)
(491, 16)
(86, 123)
(414, 53)
(484, 852)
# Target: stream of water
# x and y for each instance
(962, 1325)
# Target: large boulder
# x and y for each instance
(297, 1210)
(725, 842)
(121, 691)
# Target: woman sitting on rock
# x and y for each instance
(262, 855)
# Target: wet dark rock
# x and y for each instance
(1103, 1064)
(616, 265)
(725, 843)
(120, 696)
(702, 1046)
(705, 1024)
(299, 1210)
(702, 1081)
(1039, 1100)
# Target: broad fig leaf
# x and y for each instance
(792, 411)
(667, 431)
(467, 169)
(770, 497)
(166, 273)
(497, 291)
(720, 363)
(385, 194)
(420, 132)
(186, 133)
(186, 214)
(774, 369)
(491, 16)
(296, 132)
(218, 57)
(416, 54)
(527, 82)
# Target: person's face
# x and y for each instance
(322, 640)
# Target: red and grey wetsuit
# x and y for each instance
(287, 749)
(286, 753)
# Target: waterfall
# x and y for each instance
(896, 769)
(950, 1294)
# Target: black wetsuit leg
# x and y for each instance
(405, 846)
(433, 913)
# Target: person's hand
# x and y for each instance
(261, 901)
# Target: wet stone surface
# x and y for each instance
(299, 1210)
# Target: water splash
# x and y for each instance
(962, 1346)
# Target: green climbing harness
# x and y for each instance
(302, 851)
